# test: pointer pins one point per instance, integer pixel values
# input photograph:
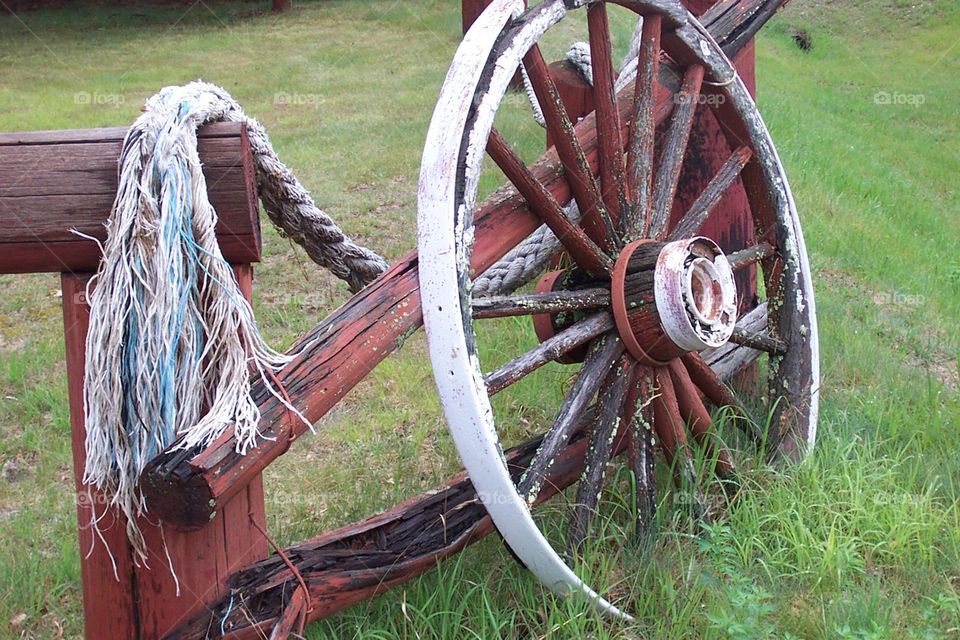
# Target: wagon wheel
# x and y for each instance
(648, 300)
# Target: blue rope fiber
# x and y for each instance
(223, 620)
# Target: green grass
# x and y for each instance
(862, 541)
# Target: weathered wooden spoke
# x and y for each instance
(727, 361)
(671, 430)
(758, 341)
(599, 361)
(699, 421)
(750, 255)
(574, 239)
(691, 222)
(640, 148)
(719, 394)
(548, 350)
(599, 450)
(532, 303)
(638, 415)
(577, 170)
(611, 159)
(674, 149)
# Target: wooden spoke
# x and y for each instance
(758, 341)
(691, 222)
(699, 421)
(640, 148)
(547, 351)
(612, 178)
(719, 393)
(750, 255)
(673, 438)
(674, 149)
(729, 359)
(638, 414)
(601, 357)
(574, 239)
(599, 450)
(706, 380)
(552, 302)
(577, 171)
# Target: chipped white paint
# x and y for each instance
(696, 297)
(445, 240)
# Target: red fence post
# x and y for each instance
(137, 602)
(109, 600)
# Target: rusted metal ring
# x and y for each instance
(618, 303)
(695, 294)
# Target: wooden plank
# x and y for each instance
(29, 215)
(108, 597)
(359, 561)
(89, 169)
(103, 134)
(55, 182)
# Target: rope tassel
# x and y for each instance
(172, 340)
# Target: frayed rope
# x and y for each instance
(172, 341)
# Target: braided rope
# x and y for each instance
(287, 203)
(524, 262)
(291, 208)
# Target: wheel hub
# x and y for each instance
(669, 298)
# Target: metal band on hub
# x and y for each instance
(671, 298)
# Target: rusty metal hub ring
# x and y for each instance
(624, 393)
(682, 298)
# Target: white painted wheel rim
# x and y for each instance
(445, 229)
